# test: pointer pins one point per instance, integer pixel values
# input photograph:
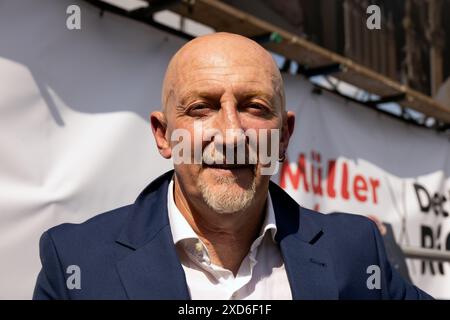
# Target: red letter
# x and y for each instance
(360, 184)
(316, 186)
(330, 178)
(344, 187)
(294, 176)
(375, 184)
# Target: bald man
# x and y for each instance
(215, 227)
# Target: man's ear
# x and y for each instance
(286, 132)
(159, 128)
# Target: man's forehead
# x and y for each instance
(222, 56)
(220, 76)
(224, 73)
(219, 49)
(210, 64)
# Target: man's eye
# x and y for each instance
(200, 109)
(256, 106)
(200, 106)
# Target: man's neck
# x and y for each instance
(228, 237)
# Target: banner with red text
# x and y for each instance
(346, 157)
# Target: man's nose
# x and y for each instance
(230, 121)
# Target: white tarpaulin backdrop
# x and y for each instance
(75, 140)
(345, 157)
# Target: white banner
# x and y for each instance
(346, 157)
(75, 140)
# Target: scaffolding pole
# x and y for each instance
(425, 254)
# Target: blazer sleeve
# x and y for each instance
(393, 286)
(51, 282)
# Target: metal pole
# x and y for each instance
(426, 254)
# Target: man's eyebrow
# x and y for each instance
(257, 93)
(216, 93)
(205, 94)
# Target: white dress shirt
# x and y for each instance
(261, 276)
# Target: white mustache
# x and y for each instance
(229, 154)
(236, 148)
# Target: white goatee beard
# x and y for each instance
(223, 197)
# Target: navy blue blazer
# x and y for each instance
(128, 253)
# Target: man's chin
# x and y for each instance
(227, 193)
(228, 199)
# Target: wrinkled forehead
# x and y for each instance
(222, 71)
(238, 78)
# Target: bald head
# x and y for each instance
(224, 53)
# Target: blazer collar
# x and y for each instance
(153, 270)
(308, 264)
(149, 214)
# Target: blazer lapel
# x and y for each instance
(308, 264)
(309, 270)
(152, 270)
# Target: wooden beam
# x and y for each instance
(223, 17)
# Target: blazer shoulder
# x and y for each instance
(350, 219)
(338, 218)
